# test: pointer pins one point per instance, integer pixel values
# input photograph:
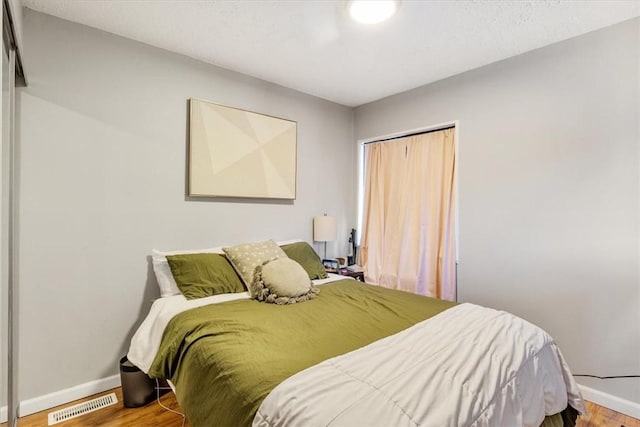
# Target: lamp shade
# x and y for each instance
(324, 228)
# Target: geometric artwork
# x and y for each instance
(237, 153)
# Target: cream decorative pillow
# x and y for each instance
(247, 256)
(282, 281)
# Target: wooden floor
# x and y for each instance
(154, 415)
(116, 415)
(599, 416)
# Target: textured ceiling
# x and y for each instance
(313, 47)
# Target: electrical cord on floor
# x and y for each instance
(606, 378)
(184, 418)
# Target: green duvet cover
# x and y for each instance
(224, 359)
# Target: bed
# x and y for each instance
(356, 354)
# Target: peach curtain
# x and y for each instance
(409, 214)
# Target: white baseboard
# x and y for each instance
(3, 414)
(610, 401)
(47, 401)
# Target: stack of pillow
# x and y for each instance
(280, 274)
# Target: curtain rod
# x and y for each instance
(411, 134)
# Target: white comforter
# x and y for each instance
(467, 366)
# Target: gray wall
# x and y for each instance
(103, 134)
(549, 191)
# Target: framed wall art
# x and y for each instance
(238, 153)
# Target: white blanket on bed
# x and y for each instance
(467, 366)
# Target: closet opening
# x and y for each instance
(408, 210)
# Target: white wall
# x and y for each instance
(549, 191)
(103, 133)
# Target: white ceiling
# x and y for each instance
(313, 47)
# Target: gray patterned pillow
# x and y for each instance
(282, 281)
(247, 256)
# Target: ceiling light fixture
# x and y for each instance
(372, 11)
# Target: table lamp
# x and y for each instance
(325, 230)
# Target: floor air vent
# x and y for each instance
(82, 408)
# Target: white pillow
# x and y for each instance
(166, 282)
